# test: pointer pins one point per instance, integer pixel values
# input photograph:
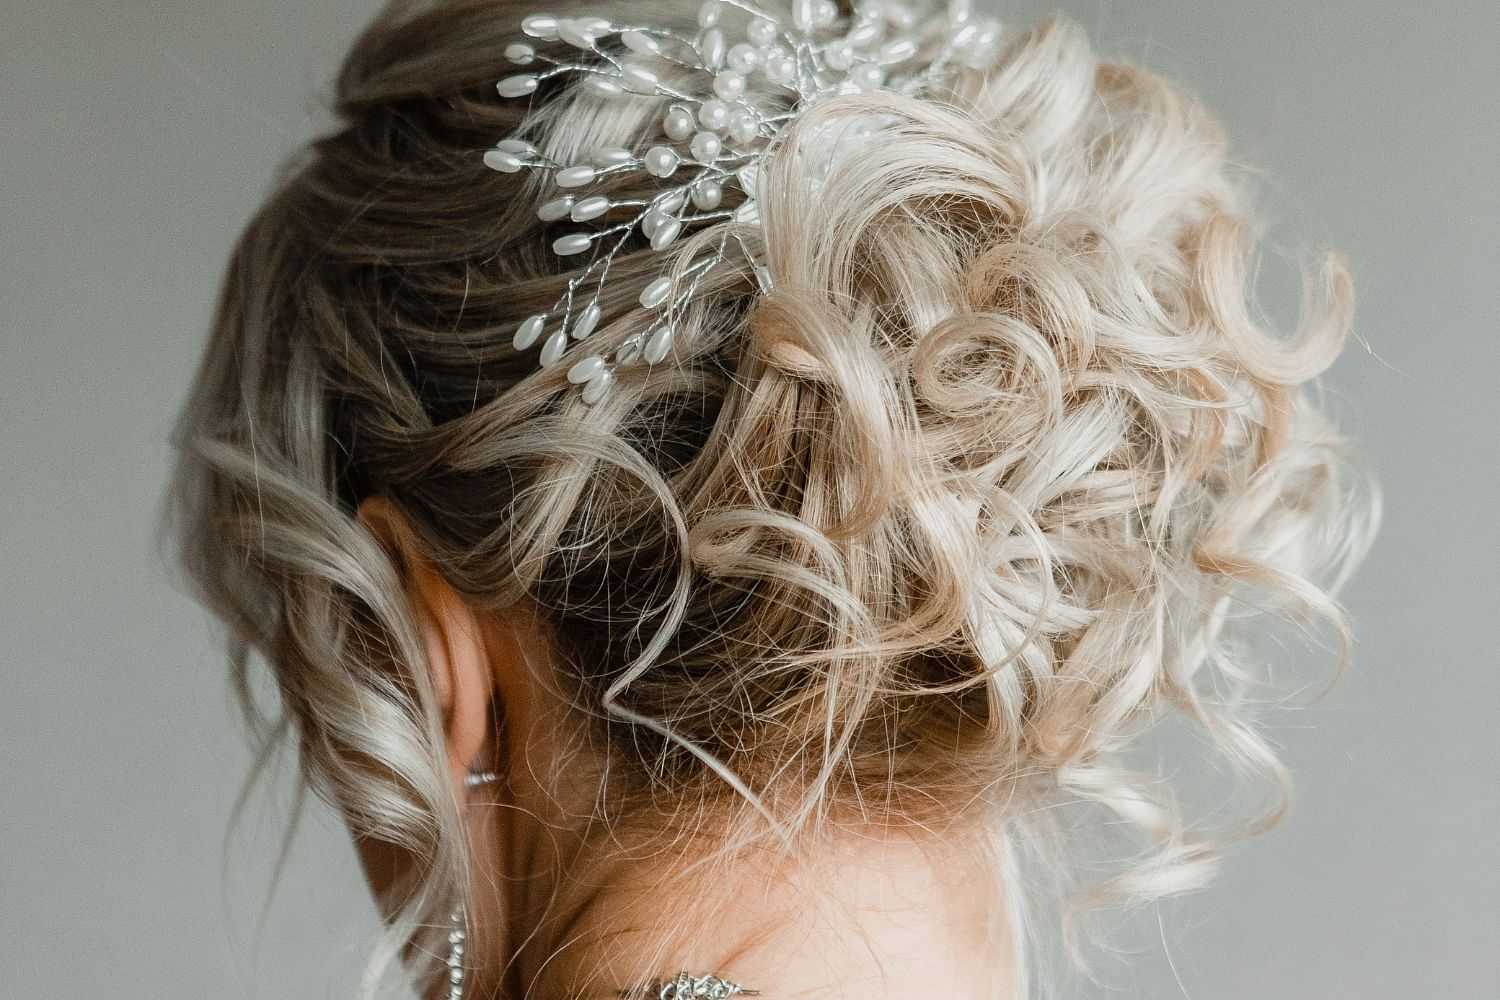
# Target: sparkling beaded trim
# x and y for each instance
(687, 987)
(456, 935)
(712, 134)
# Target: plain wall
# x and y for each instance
(137, 137)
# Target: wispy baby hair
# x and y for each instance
(1001, 466)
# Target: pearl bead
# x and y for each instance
(506, 163)
(711, 48)
(671, 203)
(900, 16)
(827, 12)
(707, 195)
(658, 344)
(655, 293)
(863, 35)
(780, 69)
(867, 76)
(637, 78)
(713, 115)
(597, 387)
(575, 176)
(542, 26)
(743, 128)
(520, 53)
(585, 369)
(661, 161)
(516, 146)
(604, 85)
(708, 14)
(729, 85)
(982, 49)
(566, 246)
(743, 58)
(897, 51)
(678, 123)
(555, 209)
(666, 231)
(960, 11)
(590, 208)
(639, 41)
(705, 147)
(612, 156)
(839, 55)
(586, 322)
(528, 332)
(570, 31)
(804, 14)
(554, 347)
(517, 86)
(762, 31)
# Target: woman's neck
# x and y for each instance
(569, 907)
(868, 914)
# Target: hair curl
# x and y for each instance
(990, 477)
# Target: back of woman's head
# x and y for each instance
(990, 473)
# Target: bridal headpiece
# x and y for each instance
(728, 91)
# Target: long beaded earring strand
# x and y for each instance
(456, 936)
(458, 932)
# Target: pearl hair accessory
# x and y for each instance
(746, 83)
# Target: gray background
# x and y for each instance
(136, 139)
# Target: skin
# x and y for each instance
(579, 909)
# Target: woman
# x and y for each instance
(710, 484)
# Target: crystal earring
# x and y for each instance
(459, 930)
(456, 935)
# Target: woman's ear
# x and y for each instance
(451, 633)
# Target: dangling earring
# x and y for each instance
(456, 936)
(459, 931)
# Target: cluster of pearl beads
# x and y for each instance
(716, 133)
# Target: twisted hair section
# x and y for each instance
(1002, 468)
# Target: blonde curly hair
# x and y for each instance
(1003, 467)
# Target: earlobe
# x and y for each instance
(451, 633)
